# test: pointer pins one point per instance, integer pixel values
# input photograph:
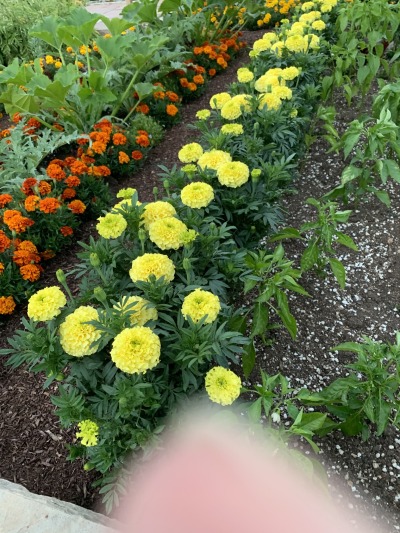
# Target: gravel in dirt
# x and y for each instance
(32, 443)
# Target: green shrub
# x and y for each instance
(18, 17)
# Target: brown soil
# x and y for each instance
(32, 443)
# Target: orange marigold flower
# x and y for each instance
(77, 207)
(87, 159)
(28, 185)
(31, 202)
(55, 172)
(2, 268)
(223, 47)
(159, 95)
(119, 139)
(66, 231)
(17, 117)
(69, 160)
(213, 55)
(72, 181)
(59, 162)
(23, 257)
(123, 158)
(99, 147)
(184, 82)
(143, 108)
(142, 132)
(19, 224)
(198, 79)
(7, 305)
(30, 272)
(207, 49)
(44, 187)
(26, 245)
(82, 140)
(101, 136)
(192, 87)
(103, 125)
(199, 69)
(172, 110)
(212, 72)
(5, 199)
(197, 50)
(34, 123)
(9, 214)
(68, 193)
(142, 140)
(4, 133)
(49, 205)
(137, 155)
(4, 241)
(78, 168)
(172, 97)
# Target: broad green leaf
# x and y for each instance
(254, 410)
(384, 411)
(260, 319)
(309, 257)
(286, 233)
(285, 315)
(352, 426)
(383, 196)
(338, 271)
(347, 241)
(248, 359)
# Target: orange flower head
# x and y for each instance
(159, 95)
(184, 82)
(119, 139)
(31, 202)
(30, 272)
(143, 108)
(44, 187)
(66, 231)
(55, 172)
(7, 305)
(199, 69)
(197, 50)
(17, 117)
(99, 147)
(212, 72)
(82, 140)
(5, 199)
(78, 168)
(60, 162)
(72, 181)
(49, 205)
(198, 79)
(142, 140)
(137, 155)
(172, 97)
(123, 158)
(4, 242)
(69, 160)
(77, 207)
(33, 123)
(27, 186)
(192, 87)
(172, 110)
(103, 125)
(68, 193)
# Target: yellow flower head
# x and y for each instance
(49, 60)
(232, 129)
(136, 350)
(203, 114)
(236, 106)
(218, 100)
(126, 193)
(318, 25)
(222, 385)
(266, 82)
(271, 100)
(156, 210)
(290, 73)
(111, 226)
(139, 310)
(244, 75)
(199, 304)
(168, 233)
(76, 336)
(88, 432)
(147, 265)
(213, 159)
(197, 194)
(297, 43)
(284, 93)
(46, 304)
(190, 153)
(57, 64)
(233, 174)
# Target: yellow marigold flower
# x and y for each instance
(271, 100)
(232, 129)
(189, 169)
(136, 350)
(156, 210)
(266, 82)
(235, 107)
(139, 310)
(213, 159)
(190, 153)
(278, 47)
(233, 174)
(297, 43)
(290, 73)
(69, 49)
(260, 46)
(284, 93)
(88, 432)
(107, 36)
(197, 195)
(219, 99)
(260, 23)
(307, 6)
(167, 233)
(297, 28)
(244, 75)
(126, 193)
(46, 304)
(147, 265)
(126, 202)
(222, 385)
(76, 336)
(199, 304)
(203, 114)
(83, 49)
(57, 64)
(314, 41)
(111, 226)
(49, 60)
(318, 25)
(294, 113)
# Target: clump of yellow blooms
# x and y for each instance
(139, 310)
(213, 159)
(267, 81)
(271, 100)
(199, 304)
(88, 432)
(156, 210)
(126, 193)
(222, 385)
(233, 174)
(147, 265)
(190, 153)
(136, 350)
(244, 75)
(234, 108)
(76, 336)
(232, 129)
(168, 233)
(46, 304)
(197, 195)
(219, 99)
(111, 226)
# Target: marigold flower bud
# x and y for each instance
(94, 260)
(99, 294)
(61, 278)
